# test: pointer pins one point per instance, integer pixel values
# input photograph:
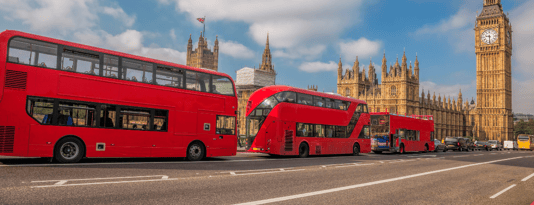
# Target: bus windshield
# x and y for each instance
(379, 125)
(523, 137)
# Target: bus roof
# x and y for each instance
(422, 117)
(6, 35)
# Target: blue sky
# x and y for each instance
(307, 38)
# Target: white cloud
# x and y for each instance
(118, 13)
(313, 67)
(308, 53)
(172, 33)
(59, 15)
(457, 29)
(363, 48)
(235, 49)
(292, 24)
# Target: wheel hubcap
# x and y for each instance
(69, 150)
(195, 151)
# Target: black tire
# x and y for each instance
(377, 152)
(196, 151)
(355, 149)
(401, 150)
(304, 150)
(445, 150)
(69, 150)
(426, 149)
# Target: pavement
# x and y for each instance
(497, 177)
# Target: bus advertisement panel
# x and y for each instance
(67, 101)
(283, 120)
(395, 133)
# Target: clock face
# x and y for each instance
(489, 36)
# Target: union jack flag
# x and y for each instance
(201, 20)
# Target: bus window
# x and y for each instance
(111, 66)
(364, 134)
(137, 71)
(160, 120)
(108, 115)
(319, 130)
(318, 101)
(222, 85)
(41, 110)
(80, 62)
(341, 131)
(342, 105)
(329, 131)
(304, 130)
(30, 52)
(197, 81)
(305, 99)
(402, 133)
(329, 103)
(225, 125)
(135, 118)
(77, 114)
(169, 77)
(365, 109)
(286, 97)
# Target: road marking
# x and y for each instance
(61, 183)
(271, 172)
(478, 154)
(497, 194)
(94, 179)
(526, 178)
(285, 198)
(423, 156)
(460, 156)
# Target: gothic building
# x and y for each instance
(202, 56)
(249, 80)
(398, 90)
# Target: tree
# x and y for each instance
(523, 127)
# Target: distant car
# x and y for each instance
(470, 144)
(494, 145)
(458, 143)
(439, 146)
(480, 145)
(510, 145)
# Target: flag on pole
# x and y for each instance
(201, 20)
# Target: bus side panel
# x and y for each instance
(3, 49)
(11, 120)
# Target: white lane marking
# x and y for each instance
(382, 162)
(94, 179)
(115, 182)
(497, 194)
(423, 156)
(355, 164)
(271, 172)
(285, 198)
(528, 177)
(478, 154)
(61, 182)
(461, 156)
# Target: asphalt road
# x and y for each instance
(497, 177)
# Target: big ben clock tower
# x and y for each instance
(493, 38)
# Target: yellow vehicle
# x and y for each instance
(525, 142)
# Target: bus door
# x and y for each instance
(394, 143)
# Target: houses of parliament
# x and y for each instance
(490, 118)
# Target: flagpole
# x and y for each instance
(204, 22)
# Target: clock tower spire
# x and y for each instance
(493, 48)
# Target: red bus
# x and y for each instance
(283, 120)
(416, 133)
(67, 101)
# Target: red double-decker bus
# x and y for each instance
(283, 120)
(67, 101)
(396, 133)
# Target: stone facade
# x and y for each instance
(202, 56)
(398, 90)
(249, 80)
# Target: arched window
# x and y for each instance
(393, 91)
(347, 92)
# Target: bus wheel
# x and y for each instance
(401, 150)
(69, 150)
(195, 151)
(426, 149)
(377, 152)
(355, 149)
(303, 150)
